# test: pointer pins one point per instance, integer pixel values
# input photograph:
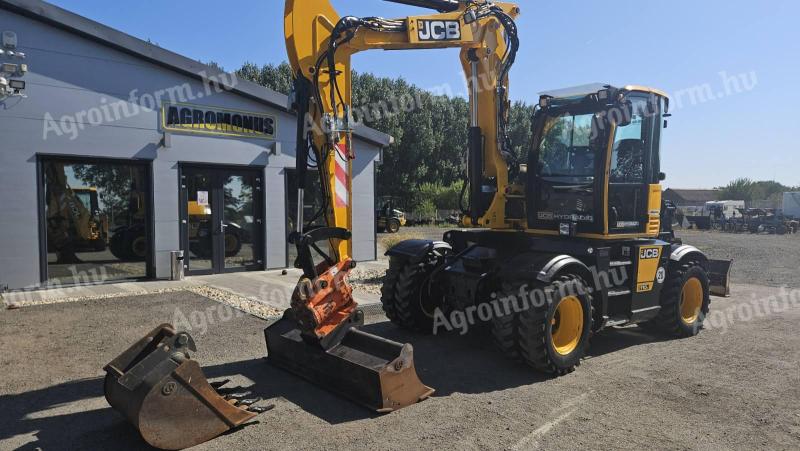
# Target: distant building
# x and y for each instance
(690, 197)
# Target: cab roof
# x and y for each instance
(592, 88)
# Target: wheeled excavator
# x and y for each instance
(585, 201)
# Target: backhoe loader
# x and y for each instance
(584, 201)
(74, 221)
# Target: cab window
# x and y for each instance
(628, 154)
(566, 147)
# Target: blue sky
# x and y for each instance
(679, 46)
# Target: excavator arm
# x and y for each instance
(318, 338)
(158, 387)
(320, 45)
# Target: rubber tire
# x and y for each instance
(534, 335)
(404, 290)
(393, 226)
(504, 329)
(669, 317)
(116, 246)
(235, 251)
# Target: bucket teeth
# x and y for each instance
(237, 396)
(248, 402)
(260, 409)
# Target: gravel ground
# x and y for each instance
(236, 301)
(769, 260)
(736, 386)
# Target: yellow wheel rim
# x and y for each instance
(567, 325)
(691, 300)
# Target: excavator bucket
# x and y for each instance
(370, 370)
(165, 395)
(719, 274)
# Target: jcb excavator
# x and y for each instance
(582, 205)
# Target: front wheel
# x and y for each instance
(393, 226)
(685, 300)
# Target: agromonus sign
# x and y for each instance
(209, 120)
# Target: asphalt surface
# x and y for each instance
(735, 386)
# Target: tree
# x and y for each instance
(278, 78)
(430, 132)
(739, 189)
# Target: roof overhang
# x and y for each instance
(95, 31)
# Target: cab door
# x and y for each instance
(634, 167)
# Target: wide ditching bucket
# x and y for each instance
(166, 396)
(370, 370)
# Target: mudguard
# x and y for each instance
(416, 249)
(718, 270)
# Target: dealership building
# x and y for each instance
(116, 153)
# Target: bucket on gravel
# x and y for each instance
(165, 395)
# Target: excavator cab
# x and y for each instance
(594, 167)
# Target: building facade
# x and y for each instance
(116, 153)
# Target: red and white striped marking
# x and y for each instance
(340, 189)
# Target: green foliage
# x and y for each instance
(749, 190)
(440, 196)
(430, 133)
(425, 210)
(278, 78)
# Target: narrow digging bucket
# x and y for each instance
(372, 371)
(165, 395)
(719, 274)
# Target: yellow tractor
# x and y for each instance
(567, 240)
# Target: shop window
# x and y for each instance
(95, 221)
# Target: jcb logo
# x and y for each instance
(649, 253)
(439, 30)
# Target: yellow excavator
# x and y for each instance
(577, 223)
(74, 221)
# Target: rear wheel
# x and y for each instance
(505, 328)
(553, 337)
(409, 296)
(684, 300)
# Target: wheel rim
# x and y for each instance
(567, 325)
(691, 300)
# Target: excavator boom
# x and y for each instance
(163, 392)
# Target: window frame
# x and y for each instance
(147, 164)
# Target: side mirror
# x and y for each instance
(662, 176)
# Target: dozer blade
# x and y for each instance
(370, 370)
(719, 275)
(165, 395)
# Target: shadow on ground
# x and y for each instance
(450, 363)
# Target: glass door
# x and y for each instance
(222, 220)
(241, 220)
